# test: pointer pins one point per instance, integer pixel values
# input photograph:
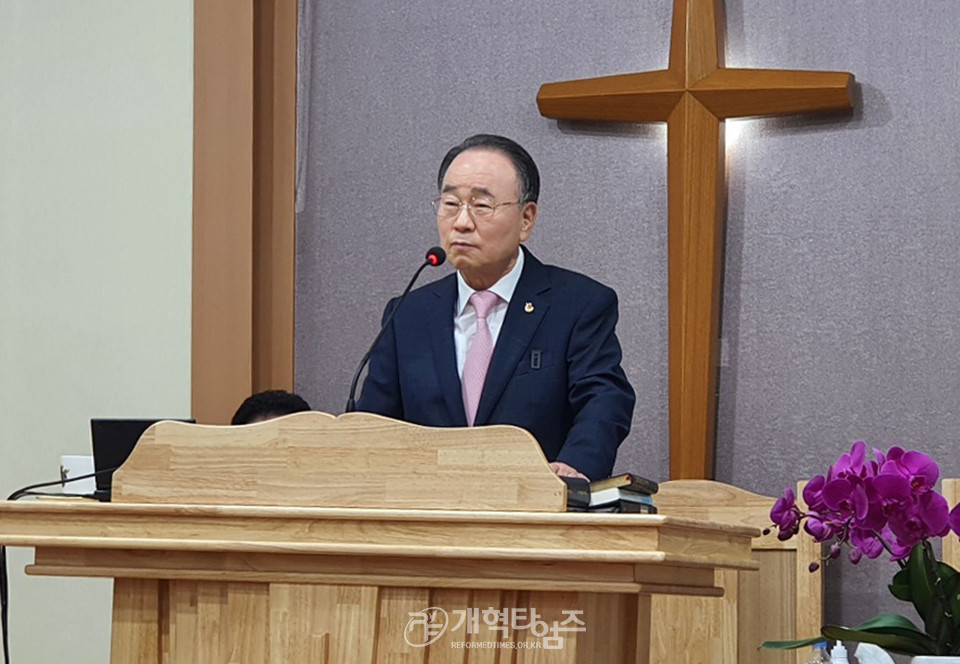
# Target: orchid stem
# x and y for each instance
(887, 548)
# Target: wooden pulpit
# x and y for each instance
(359, 539)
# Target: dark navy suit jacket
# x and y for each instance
(555, 369)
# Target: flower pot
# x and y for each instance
(936, 659)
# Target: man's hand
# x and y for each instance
(563, 470)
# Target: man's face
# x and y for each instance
(483, 250)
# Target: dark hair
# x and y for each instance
(522, 161)
(267, 405)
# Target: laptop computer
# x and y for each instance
(113, 441)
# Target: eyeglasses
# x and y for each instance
(449, 207)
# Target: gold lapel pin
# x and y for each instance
(528, 307)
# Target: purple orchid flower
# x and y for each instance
(885, 502)
(813, 493)
(866, 542)
(879, 457)
(892, 490)
(897, 550)
(820, 529)
(847, 497)
(849, 464)
(888, 494)
(786, 515)
(919, 469)
(927, 517)
(954, 519)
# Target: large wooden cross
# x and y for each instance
(694, 95)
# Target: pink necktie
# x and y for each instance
(479, 354)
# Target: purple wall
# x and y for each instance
(841, 300)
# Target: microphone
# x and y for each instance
(435, 256)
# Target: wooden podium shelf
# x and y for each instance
(287, 585)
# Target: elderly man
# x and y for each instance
(507, 339)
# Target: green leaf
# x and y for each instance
(951, 589)
(915, 644)
(923, 571)
(791, 645)
(900, 587)
(888, 630)
(920, 578)
(887, 621)
(952, 592)
(947, 573)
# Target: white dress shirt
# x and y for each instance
(465, 316)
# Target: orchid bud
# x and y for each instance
(814, 566)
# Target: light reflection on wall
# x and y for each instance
(734, 132)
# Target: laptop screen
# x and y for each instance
(113, 441)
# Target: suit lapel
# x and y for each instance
(444, 351)
(519, 326)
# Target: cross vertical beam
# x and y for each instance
(695, 168)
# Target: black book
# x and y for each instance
(626, 482)
(578, 493)
(619, 507)
(628, 506)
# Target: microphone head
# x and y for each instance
(436, 256)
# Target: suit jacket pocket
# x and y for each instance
(535, 360)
